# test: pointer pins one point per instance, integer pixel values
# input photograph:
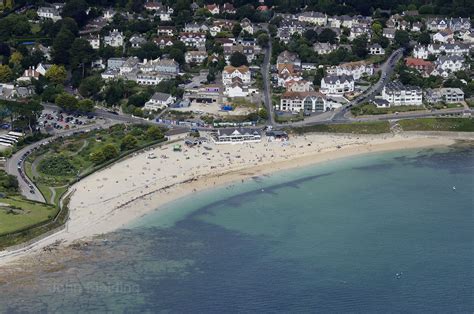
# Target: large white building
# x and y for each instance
(311, 17)
(305, 101)
(240, 135)
(398, 94)
(337, 84)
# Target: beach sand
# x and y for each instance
(115, 196)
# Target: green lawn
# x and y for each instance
(438, 124)
(17, 214)
(371, 109)
(356, 128)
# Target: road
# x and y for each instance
(267, 100)
(25, 184)
(17, 159)
(386, 71)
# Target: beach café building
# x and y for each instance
(236, 135)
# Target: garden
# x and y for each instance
(55, 166)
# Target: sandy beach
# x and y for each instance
(115, 196)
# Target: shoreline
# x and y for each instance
(135, 194)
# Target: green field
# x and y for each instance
(17, 214)
(377, 127)
(438, 124)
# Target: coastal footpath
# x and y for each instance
(115, 196)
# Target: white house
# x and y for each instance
(447, 95)
(136, 41)
(299, 86)
(213, 8)
(420, 52)
(195, 56)
(450, 63)
(398, 94)
(114, 39)
(305, 101)
(324, 48)
(49, 13)
(42, 68)
(247, 25)
(337, 85)
(376, 49)
(94, 41)
(109, 14)
(355, 69)
(159, 101)
(444, 36)
(389, 33)
(230, 72)
(196, 40)
(195, 28)
(357, 31)
(311, 17)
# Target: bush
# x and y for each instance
(129, 142)
(57, 165)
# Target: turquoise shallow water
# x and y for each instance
(376, 233)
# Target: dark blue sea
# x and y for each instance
(375, 233)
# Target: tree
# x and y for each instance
(402, 38)
(262, 40)
(236, 30)
(114, 92)
(237, 59)
(76, 9)
(377, 28)
(97, 157)
(311, 35)
(91, 86)
(81, 53)
(327, 35)
(263, 114)
(154, 133)
(16, 58)
(424, 38)
(61, 45)
(66, 101)
(359, 46)
(56, 74)
(85, 105)
(110, 151)
(138, 100)
(128, 142)
(6, 74)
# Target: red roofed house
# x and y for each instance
(213, 8)
(425, 67)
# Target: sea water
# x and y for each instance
(382, 232)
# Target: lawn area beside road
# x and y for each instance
(438, 124)
(377, 127)
(371, 109)
(17, 213)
